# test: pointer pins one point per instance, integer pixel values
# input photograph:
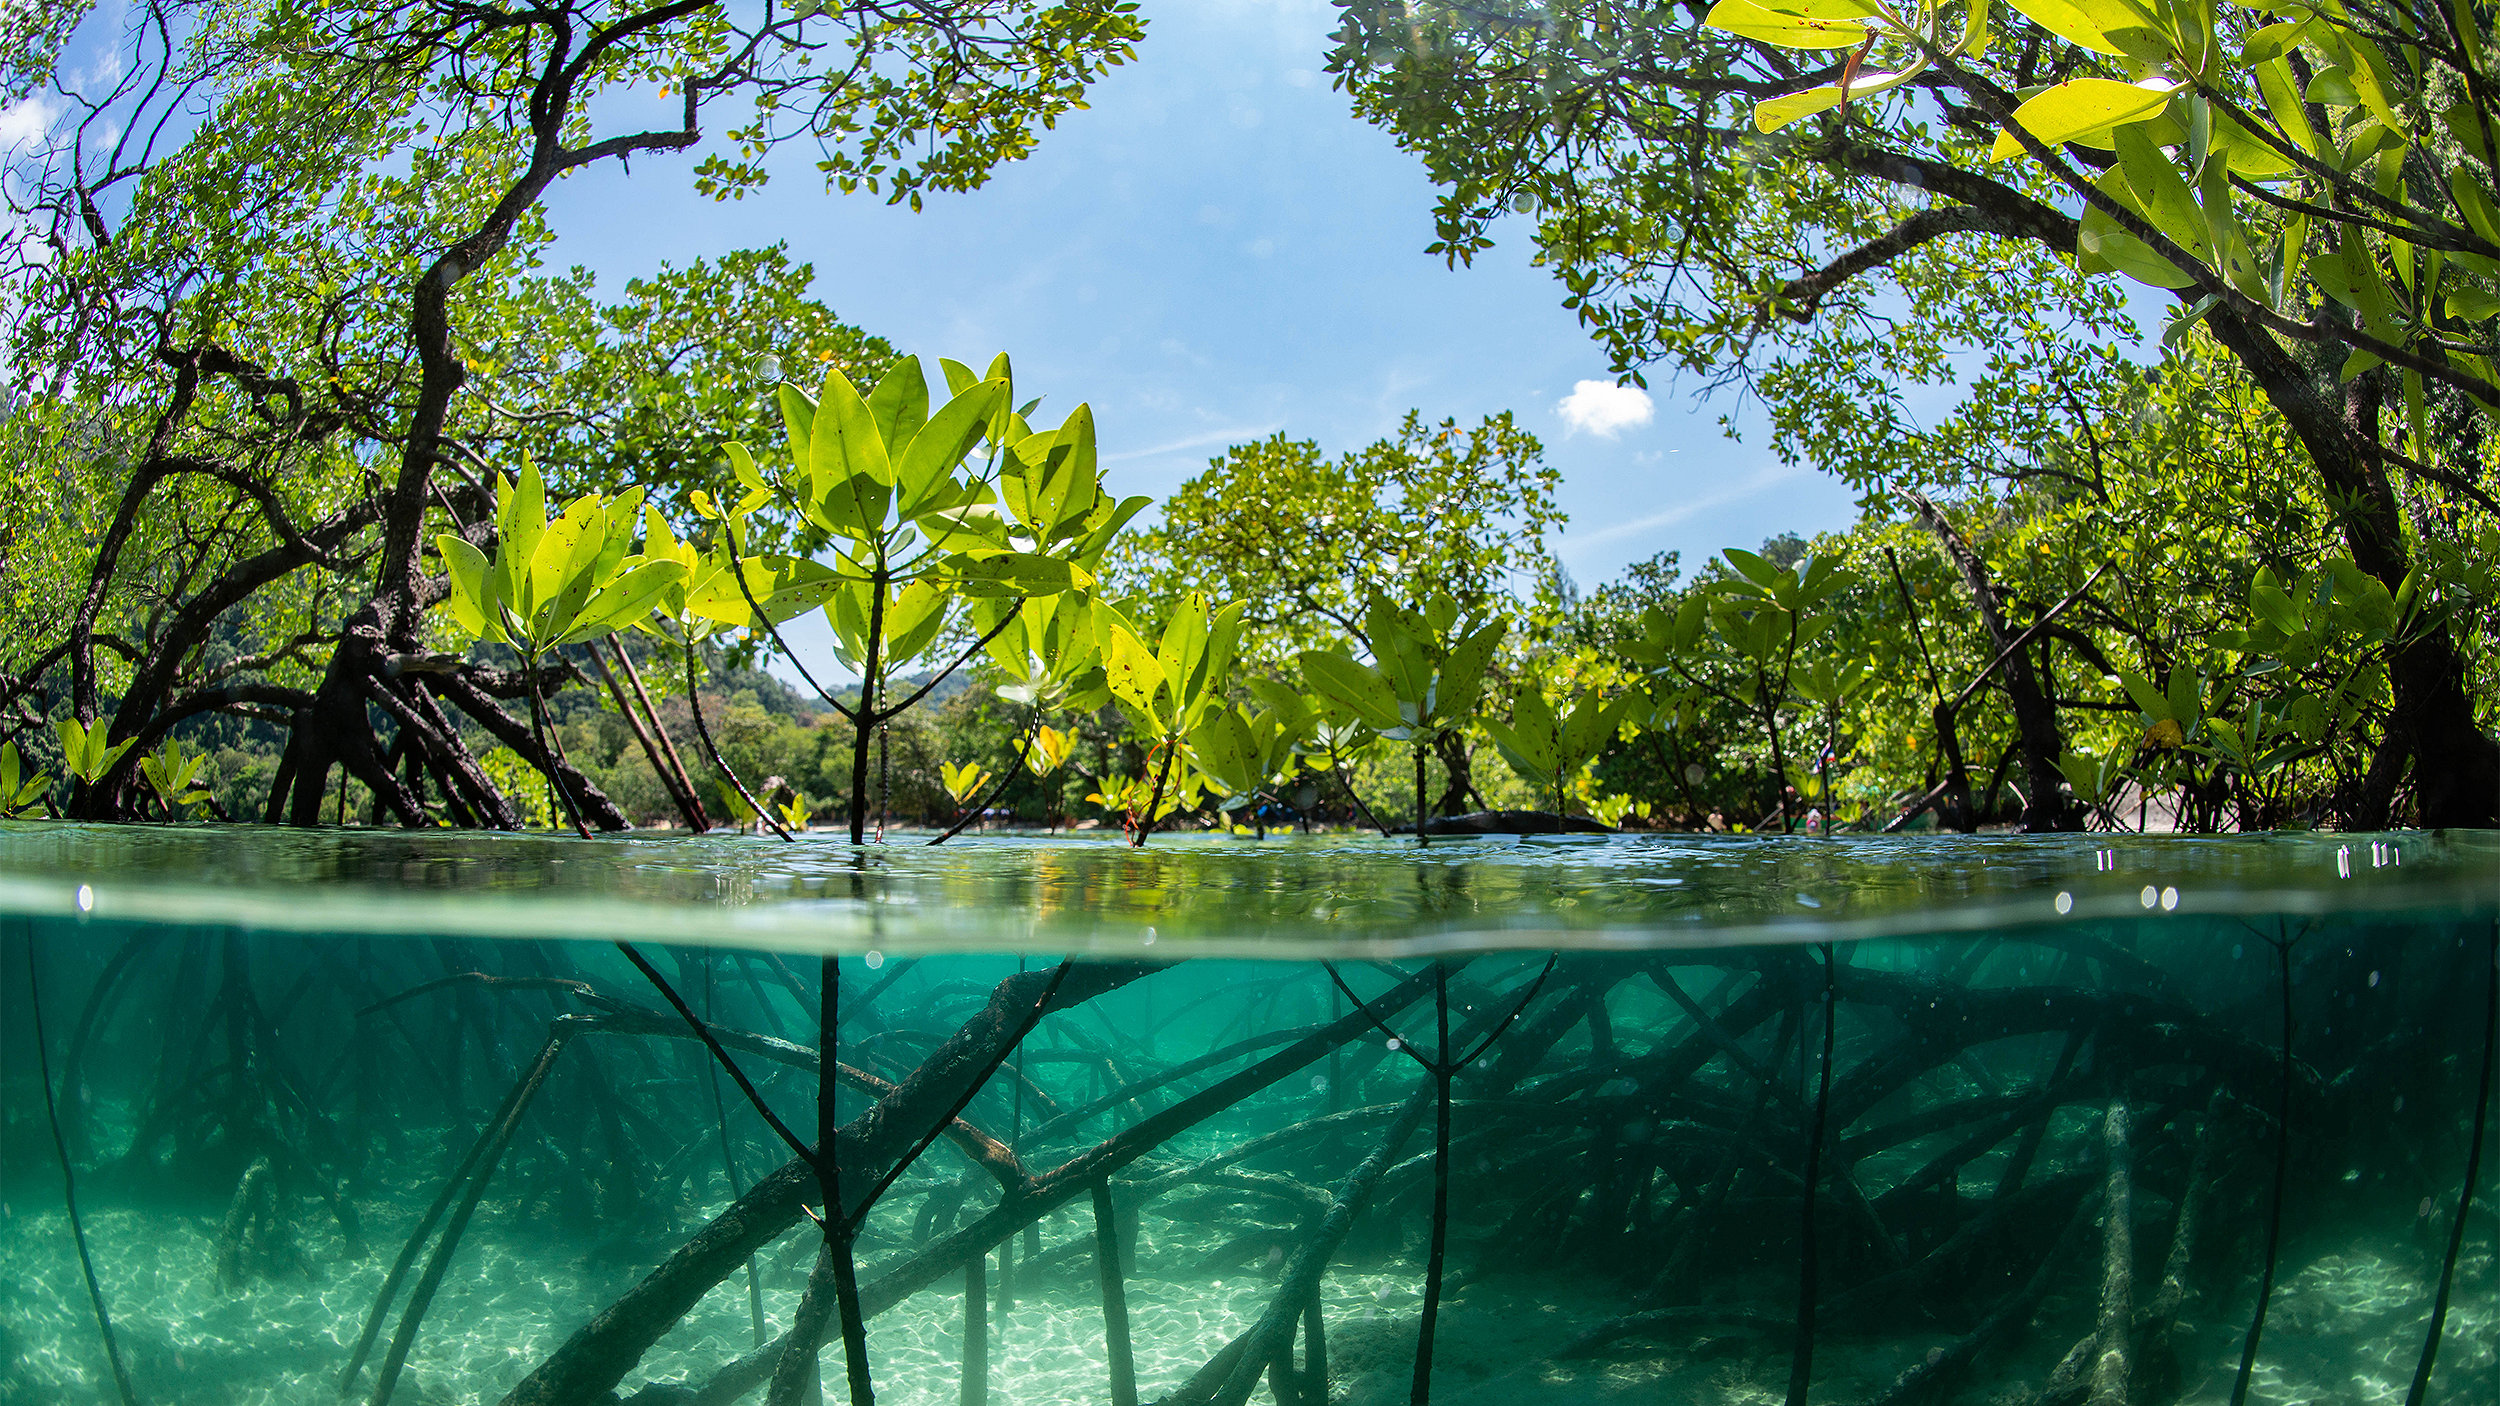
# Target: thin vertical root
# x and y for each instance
(1801, 1353)
(1110, 1270)
(499, 1137)
(2282, 1167)
(2473, 1170)
(976, 1384)
(69, 1186)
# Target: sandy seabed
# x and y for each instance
(2344, 1328)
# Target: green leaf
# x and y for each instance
(617, 538)
(2102, 244)
(1360, 691)
(846, 469)
(73, 735)
(1130, 669)
(2332, 87)
(563, 570)
(784, 586)
(1215, 662)
(2185, 694)
(798, 416)
(2274, 607)
(1752, 566)
(940, 445)
(1464, 670)
(2157, 192)
(1012, 574)
(2468, 303)
(1105, 523)
(1184, 641)
(2103, 26)
(1227, 750)
(625, 600)
(1794, 24)
(1592, 724)
(913, 619)
(2481, 213)
(2148, 699)
(2273, 41)
(1771, 114)
(520, 520)
(2275, 82)
(2082, 108)
(470, 600)
(900, 405)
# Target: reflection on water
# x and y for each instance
(2040, 1165)
(1283, 896)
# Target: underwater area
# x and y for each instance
(441, 1118)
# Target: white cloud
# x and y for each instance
(1604, 409)
(27, 123)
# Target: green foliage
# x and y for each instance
(84, 750)
(513, 775)
(555, 582)
(1303, 539)
(1428, 669)
(21, 789)
(1550, 749)
(335, 227)
(963, 780)
(642, 390)
(1248, 753)
(1168, 691)
(171, 771)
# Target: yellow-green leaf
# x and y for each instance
(471, 581)
(2082, 107)
(1790, 24)
(1771, 114)
(2103, 26)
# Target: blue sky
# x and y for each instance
(1215, 251)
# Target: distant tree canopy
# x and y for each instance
(1303, 538)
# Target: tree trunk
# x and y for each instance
(2045, 807)
(2456, 764)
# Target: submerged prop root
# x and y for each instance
(1234, 1373)
(2114, 1349)
(1707, 1120)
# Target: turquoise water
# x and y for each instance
(270, 1054)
